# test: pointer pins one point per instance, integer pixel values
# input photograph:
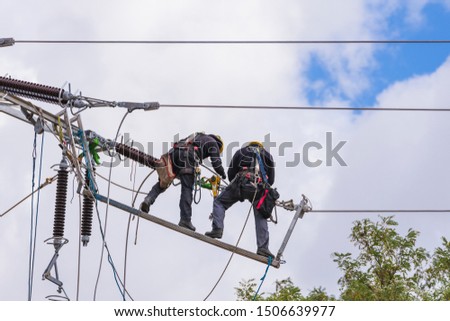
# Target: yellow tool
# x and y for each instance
(212, 183)
(215, 183)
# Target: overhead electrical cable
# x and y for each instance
(80, 207)
(380, 211)
(34, 215)
(232, 253)
(30, 255)
(53, 95)
(104, 246)
(318, 108)
(119, 185)
(133, 198)
(11, 41)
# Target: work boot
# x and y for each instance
(216, 233)
(186, 224)
(264, 252)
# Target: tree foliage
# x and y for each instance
(387, 266)
(390, 267)
(437, 286)
(285, 290)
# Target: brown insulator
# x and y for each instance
(138, 156)
(60, 202)
(87, 213)
(32, 90)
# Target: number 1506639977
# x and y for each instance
(299, 310)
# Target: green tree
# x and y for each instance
(437, 285)
(285, 290)
(386, 266)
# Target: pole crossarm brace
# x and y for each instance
(28, 110)
(186, 231)
(300, 211)
(64, 98)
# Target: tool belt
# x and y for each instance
(249, 176)
(265, 197)
(165, 171)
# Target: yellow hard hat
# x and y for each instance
(219, 142)
(256, 143)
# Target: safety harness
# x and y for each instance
(166, 173)
(255, 174)
(188, 147)
(267, 195)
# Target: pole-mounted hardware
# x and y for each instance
(6, 42)
(63, 97)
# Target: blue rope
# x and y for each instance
(92, 188)
(261, 166)
(110, 259)
(33, 217)
(269, 262)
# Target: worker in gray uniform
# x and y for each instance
(245, 175)
(185, 156)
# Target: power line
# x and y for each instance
(230, 42)
(331, 108)
(52, 95)
(380, 211)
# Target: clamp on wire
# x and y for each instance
(290, 206)
(287, 205)
(306, 202)
(66, 99)
(6, 42)
(61, 93)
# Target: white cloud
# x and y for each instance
(384, 168)
(429, 90)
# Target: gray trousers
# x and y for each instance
(240, 191)
(187, 187)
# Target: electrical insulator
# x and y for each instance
(34, 91)
(87, 213)
(60, 203)
(138, 156)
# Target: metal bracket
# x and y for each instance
(300, 211)
(6, 42)
(67, 124)
(201, 237)
(287, 205)
(87, 154)
(133, 106)
(58, 243)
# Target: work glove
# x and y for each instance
(224, 176)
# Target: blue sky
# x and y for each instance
(394, 159)
(396, 62)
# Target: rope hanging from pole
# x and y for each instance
(269, 262)
(34, 216)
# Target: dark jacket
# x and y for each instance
(208, 147)
(246, 158)
(203, 146)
